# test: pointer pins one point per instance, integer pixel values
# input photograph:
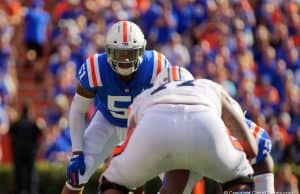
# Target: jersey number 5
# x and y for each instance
(117, 112)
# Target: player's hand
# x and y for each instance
(76, 165)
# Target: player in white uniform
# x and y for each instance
(179, 125)
(183, 180)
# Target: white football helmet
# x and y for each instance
(173, 73)
(125, 46)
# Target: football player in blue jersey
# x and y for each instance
(113, 79)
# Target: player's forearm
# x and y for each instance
(77, 120)
(237, 126)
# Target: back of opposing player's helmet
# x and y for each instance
(125, 46)
(173, 73)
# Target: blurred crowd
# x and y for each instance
(250, 47)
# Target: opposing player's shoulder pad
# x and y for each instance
(159, 62)
(89, 73)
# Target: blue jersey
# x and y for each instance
(113, 96)
(262, 138)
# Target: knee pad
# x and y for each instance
(105, 185)
(240, 181)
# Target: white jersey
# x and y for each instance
(199, 92)
(187, 117)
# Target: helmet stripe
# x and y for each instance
(174, 73)
(159, 63)
(124, 29)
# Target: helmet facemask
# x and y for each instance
(124, 61)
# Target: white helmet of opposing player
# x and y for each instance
(125, 46)
(173, 73)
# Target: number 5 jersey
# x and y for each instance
(113, 96)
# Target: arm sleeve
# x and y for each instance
(79, 107)
(238, 127)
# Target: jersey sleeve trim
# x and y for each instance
(159, 63)
(255, 129)
(93, 70)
